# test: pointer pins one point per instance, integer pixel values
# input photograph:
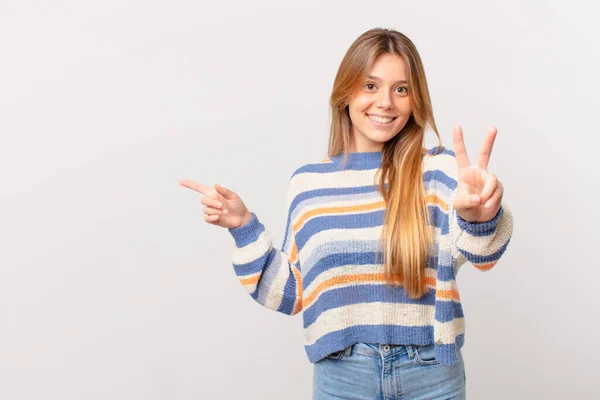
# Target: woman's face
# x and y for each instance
(384, 94)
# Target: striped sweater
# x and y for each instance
(329, 266)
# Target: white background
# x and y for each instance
(112, 286)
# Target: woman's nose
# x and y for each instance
(384, 100)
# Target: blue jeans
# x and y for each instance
(384, 372)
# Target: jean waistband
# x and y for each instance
(379, 349)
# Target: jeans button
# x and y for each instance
(386, 348)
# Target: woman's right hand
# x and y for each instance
(223, 207)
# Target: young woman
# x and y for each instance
(375, 235)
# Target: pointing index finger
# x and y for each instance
(198, 187)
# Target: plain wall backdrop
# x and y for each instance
(112, 286)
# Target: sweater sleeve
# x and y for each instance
(271, 276)
(480, 243)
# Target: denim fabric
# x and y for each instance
(366, 371)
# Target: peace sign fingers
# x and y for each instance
(486, 148)
(484, 154)
(459, 148)
(479, 192)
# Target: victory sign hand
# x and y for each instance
(479, 192)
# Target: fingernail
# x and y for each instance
(219, 205)
(225, 211)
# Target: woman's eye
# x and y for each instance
(372, 86)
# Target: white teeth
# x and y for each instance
(379, 119)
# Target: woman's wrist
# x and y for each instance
(246, 218)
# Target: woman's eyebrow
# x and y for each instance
(378, 79)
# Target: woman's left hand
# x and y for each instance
(479, 192)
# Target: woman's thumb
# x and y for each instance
(223, 191)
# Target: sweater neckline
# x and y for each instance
(370, 159)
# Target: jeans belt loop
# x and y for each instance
(348, 351)
(410, 351)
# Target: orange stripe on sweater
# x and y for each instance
(432, 198)
(485, 267)
(337, 210)
(294, 253)
(346, 279)
(447, 295)
(250, 281)
(298, 301)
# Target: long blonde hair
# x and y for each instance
(406, 237)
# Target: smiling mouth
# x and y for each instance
(380, 120)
